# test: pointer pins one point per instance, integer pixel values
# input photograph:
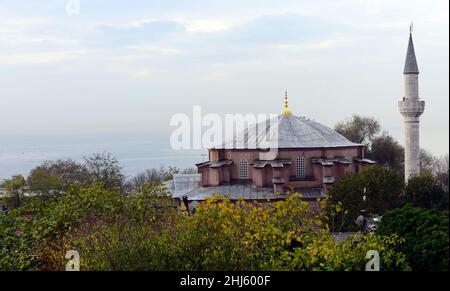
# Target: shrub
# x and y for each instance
(426, 191)
(224, 235)
(383, 187)
(425, 233)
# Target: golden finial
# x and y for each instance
(286, 110)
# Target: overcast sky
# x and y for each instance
(129, 66)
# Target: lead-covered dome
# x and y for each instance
(287, 131)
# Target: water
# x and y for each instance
(135, 152)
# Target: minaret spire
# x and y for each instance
(411, 62)
(286, 110)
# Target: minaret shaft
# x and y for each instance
(411, 86)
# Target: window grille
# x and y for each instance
(243, 169)
(300, 169)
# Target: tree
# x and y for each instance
(443, 170)
(428, 162)
(105, 169)
(426, 236)
(359, 129)
(426, 191)
(155, 175)
(381, 186)
(386, 151)
(68, 172)
(230, 236)
(14, 186)
(43, 181)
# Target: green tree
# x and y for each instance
(386, 151)
(43, 181)
(359, 129)
(105, 169)
(226, 235)
(69, 172)
(15, 186)
(426, 191)
(381, 186)
(426, 236)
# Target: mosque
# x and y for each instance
(309, 158)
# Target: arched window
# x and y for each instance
(243, 169)
(300, 167)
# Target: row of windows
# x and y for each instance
(299, 170)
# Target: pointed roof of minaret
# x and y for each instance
(411, 62)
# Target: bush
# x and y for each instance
(26, 232)
(425, 233)
(223, 235)
(426, 191)
(383, 187)
(145, 231)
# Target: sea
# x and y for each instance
(135, 152)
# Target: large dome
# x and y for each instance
(293, 132)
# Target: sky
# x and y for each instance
(129, 66)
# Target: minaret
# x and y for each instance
(411, 108)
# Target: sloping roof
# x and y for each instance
(287, 131)
(278, 163)
(411, 62)
(246, 191)
(215, 164)
(183, 183)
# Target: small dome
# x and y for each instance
(293, 132)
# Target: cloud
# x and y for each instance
(154, 50)
(207, 25)
(314, 45)
(284, 28)
(40, 57)
(145, 74)
(137, 32)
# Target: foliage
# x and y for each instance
(226, 235)
(25, 232)
(14, 187)
(155, 175)
(43, 182)
(426, 191)
(428, 163)
(386, 151)
(426, 236)
(381, 186)
(105, 169)
(443, 170)
(359, 129)
(69, 173)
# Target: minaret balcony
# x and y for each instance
(411, 108)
